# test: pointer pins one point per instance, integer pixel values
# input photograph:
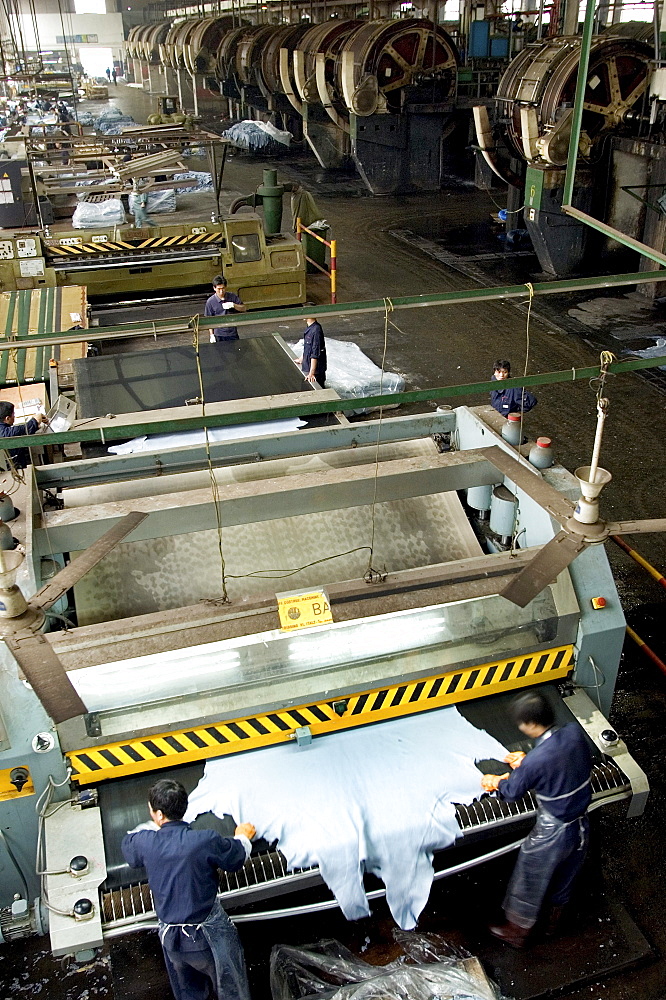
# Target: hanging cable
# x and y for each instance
(530, 288)
(194, 323)
(373, 575)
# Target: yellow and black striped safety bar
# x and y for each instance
(183, 746)
(152, 243)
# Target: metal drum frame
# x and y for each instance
(149, 45)
(285, 37)
(382, 58)
(249, 49)
(544, 76)
(200, 53)
(168, 47)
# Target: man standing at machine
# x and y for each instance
(21, 456)
(200, 944)
(506, 401)
(313, 358)
(223, 303)
(558, 771)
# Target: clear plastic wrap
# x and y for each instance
(93, 214)
(352, 374)
(158, 202)
(429, 967)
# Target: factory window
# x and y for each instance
(246, 248)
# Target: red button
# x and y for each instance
(598, 603)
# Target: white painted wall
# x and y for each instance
(107, 27)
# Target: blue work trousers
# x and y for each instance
(550, 858)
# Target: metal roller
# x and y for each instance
(541, 81)
(382, 58)
(200, 52)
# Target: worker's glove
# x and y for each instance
(227, 306)
(245, 830)
(149, 825)
(490, 782)
(515, 759)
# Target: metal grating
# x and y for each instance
(135, 900)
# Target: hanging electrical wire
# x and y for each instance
(373, 575)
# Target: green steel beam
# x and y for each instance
(579, 99)
(572, 158)
(308, 441)
(108, 432)
(459, 298)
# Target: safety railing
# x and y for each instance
(332, 272)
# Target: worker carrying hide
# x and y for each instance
(557, 770)
(200, 943)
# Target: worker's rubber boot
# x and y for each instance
(553, 920)
(510, 934)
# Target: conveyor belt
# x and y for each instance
(265, 874)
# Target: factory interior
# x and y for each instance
(209, 560)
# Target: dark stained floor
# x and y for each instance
(437, 347)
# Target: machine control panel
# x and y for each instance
(70, 241)
(26, 248)
(6, 250)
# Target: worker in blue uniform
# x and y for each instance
(557, 770)
(223, 303)
(506, 401)
(200, 943)
(313, 359)
(20, 456)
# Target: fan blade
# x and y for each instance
(46, 675)
(71, 574)
(637, 527)
(543, 569)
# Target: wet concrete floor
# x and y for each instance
(457, 345)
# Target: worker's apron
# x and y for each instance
(223, 940)
(550, 858)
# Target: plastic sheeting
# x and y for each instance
(656, 351)
(163, 442)
(202, 177)
(334, 803)
(257, 135)
(92, 214)
(159, 202)
(429, 968)
(352, 374)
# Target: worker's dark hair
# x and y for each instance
(219, 279)
(6, 409)
(502, 363)
(532, 707)
(169, 797)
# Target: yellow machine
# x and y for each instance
(263, 270)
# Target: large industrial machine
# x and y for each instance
(527, 142)
(167, 668)
(381, 94)
(264, 270)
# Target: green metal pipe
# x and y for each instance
(302, 408)
(577, 120)
(467, 296)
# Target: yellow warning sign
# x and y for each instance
(303, 609)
